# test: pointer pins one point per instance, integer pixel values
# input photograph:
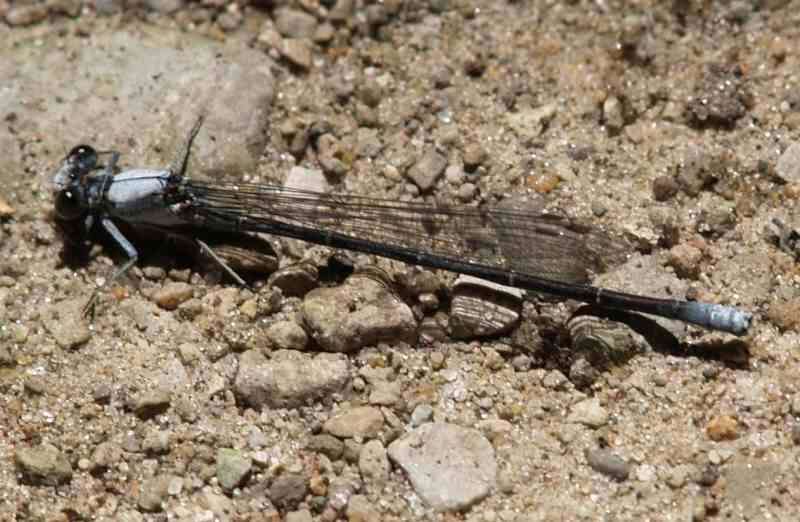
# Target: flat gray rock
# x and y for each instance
(140, 94)
(450, 467)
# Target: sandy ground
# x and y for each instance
(311, 395)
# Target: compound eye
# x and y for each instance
(84, 158)
(68, 205)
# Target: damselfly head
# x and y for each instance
(80, 161)
(67, 184)
(83, 158)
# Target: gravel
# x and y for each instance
(314, 394)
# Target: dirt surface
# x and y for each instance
(311, 395)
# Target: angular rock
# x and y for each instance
(589, 413)
(427, 170)
(293, 23)
(287, 335)
(154, 492)
(365, 422)
(788, 166)
(326, 444)
(529, 123)
(362, 312)
(43, 464)
(288, 490)
(290, 379)
(233, 467)
(373, 463)
(64, 324)
(450, 467)
(361, 509)
(152, 403)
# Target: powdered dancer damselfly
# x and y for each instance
(528, 250)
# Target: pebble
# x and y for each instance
(588, 412)
(156, 442)
(721, 96)
(287, 335)
(685, 259)
(301, 178)
(788, 167)
(785, 315)
(370, 93)
(289, 379)
(454, 174)
(154, 492)
(301, 515)
(646, 473)
(722, 427)
(708, 476)
(679, 476)
(373, 463)
(796, 433)
(288, 490)
(386, 393)
(427, 169)
(364, 422)
(582, 374)
(329, 153)
(233, 467)
(422, 413)
(554, 380)
(151, 403)
(495, 429)
(154, 273)
(6, 210)
(324, 33)
(23, 15)
(326, 444)
(230, 20)
(608, 463)
(297, 52)
(189, 353)
(450, 467)
(341, 11)
(172, 295)
(164, 6)
(665, 188)
(474, 156)
(352, 449)
(43, 464)
(68, 330)
(612, 114)
(530, 122)
(106, 455)
(293, 23)
(361, 509)
(361, 312)
(35, 384)
(794, 407)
